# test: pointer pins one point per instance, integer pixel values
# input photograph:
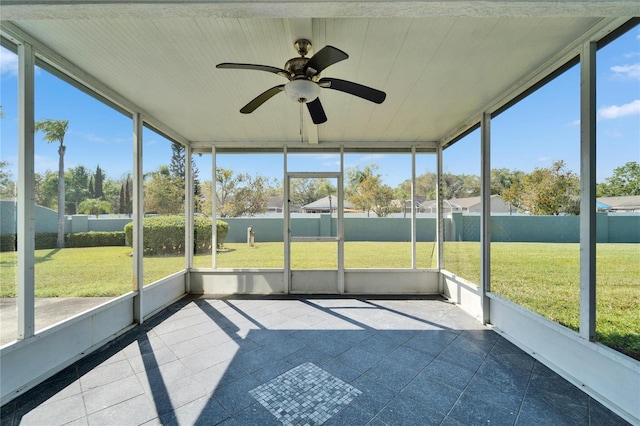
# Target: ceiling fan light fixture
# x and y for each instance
(302, 90)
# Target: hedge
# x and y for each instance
(95, 239)
(165, 234)
(49, 240)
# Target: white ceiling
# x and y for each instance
(441, 64)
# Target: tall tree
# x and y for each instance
(368, 192)
(177, 168)
(304, 191)
(99, 179)
(54, 132)
(128, 190)
(163, 193)
(624, 181)
(177, 164)
(121, 203)
(238, 194)
(92, 192)
(46, 189)
(548, 191)
(7, 187)
(76, 187)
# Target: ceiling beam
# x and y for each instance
(143, 9)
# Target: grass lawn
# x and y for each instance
(541, 277)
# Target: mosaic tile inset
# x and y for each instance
(304, 395)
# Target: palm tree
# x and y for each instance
(94, 206)
(54, 131)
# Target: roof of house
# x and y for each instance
(324, 203)
(629, 202)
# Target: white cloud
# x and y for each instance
(43, 163)
(628, 71)
(615, 111)
(101, 140)
(8, 62)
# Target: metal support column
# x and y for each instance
(588, 191)
(413, 208)
(286, 237)
(26, 198)
(138, 219)
(189, 205)
(340, 219)
(214, 211)
(440, 217)
(485, 219)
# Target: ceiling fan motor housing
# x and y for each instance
(296, 66)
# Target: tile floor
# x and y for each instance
(306, 361)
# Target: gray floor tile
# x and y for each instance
(393, 374)
(255, 415)
(176, 394)
(332, 346)
(447, 373)
(374, 397)
(431, 342)
(137, 410)
(58, 413)
(101, 397)
(432, 393)
(404, 411)
(350, 415)
(471, 410)
(467, 358)
(307, 354)
(378, 345)
(540, 411)
(197, 362)
(254, 360)
(359, 359)
(106, 374)
(410, 358)
(235, 396)
(340, 370)
(190, 347)
(204, 411)
(602, 416)
(218, 375)
(151, 359)
(496, 393)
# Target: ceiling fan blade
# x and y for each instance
(261, 98)
(325, 57)
(267, 68)
(352, 88)
(316, 111)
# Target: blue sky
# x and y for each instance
(534, 133)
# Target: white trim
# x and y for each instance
(138, 218)
(588, 191)
(485, 219)
(26, 198)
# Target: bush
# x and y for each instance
(165, 234)
(49, 240)
(46, 240)
(8, 242)
(94, 239)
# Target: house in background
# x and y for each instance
(470, 205)
(629, 203)
(326, 205)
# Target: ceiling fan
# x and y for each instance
(304, 83)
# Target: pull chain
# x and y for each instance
(301, 122)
